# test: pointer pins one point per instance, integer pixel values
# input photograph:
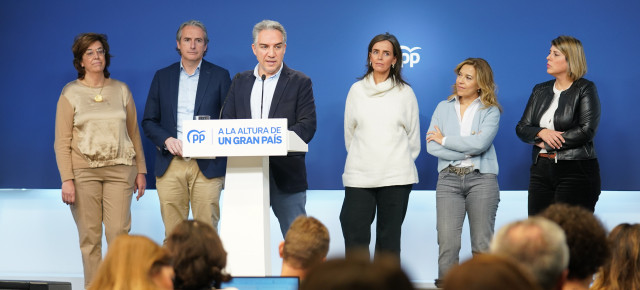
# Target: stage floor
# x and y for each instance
(38, 238)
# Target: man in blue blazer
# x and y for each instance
(273, 90)
(191, 87)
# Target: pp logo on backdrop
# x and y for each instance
(195, 136)
(409, 56)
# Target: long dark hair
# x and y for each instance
(395, 72)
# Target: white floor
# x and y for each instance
(38, 238)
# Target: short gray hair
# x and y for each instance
(267, 25)
(537, 243)
(195, 23)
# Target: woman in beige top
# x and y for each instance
(98, 150)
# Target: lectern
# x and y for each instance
(244, 218)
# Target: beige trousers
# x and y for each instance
(103, 195)
(184, 183)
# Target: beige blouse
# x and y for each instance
(91, 132)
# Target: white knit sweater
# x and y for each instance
(381, 133)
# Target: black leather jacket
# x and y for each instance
(578, 115)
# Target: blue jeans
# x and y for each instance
(286, 206)
(475, 194)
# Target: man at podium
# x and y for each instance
(191, 87)
(273, 90)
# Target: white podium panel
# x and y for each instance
(244, 223)
(244, 218)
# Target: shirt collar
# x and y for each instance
(196, 72)
(275, 76)
(457, 100)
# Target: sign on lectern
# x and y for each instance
(244, 219)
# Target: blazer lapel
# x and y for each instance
(203, 83)
(246, 96)
(280, 88)
(174, 84)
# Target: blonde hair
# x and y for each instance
(573, 53)
(306, 243)
(130, 263)
(484, 77)
(622, 271)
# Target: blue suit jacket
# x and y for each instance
(293, 100)
(160, 114)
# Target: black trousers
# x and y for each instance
(359, 210)
(575, 182)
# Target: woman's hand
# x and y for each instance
(553, 138)
(435, 135)
(68, 192)
(140, 185)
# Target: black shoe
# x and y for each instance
(439, 283)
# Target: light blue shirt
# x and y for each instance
(187, 88)
(256, 93)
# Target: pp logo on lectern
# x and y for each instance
(410, 57)
(195, 136)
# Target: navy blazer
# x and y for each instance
(293, 100)
(160, 113)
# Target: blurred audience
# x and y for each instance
(198, 256)
(358, 273)
(305, 245)
(587, 241)
(539, 245)
(622, 270)
(487, 271)
(134, 262)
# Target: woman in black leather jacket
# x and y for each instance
(560, 121)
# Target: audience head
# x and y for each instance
(538, 244)
(586, 238)
(198, 255)
(358, 274)
(134, 262)
(306, 244)
(487, 271)
(622, 270)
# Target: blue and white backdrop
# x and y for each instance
(328, 41)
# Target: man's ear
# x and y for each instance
(281, 249)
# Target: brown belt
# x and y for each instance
(548, 155)
(460, 171)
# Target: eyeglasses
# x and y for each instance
(90, 53)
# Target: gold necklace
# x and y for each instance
(98, 98)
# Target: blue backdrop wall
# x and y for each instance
(328, 41)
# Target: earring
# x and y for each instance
(369, 63)
(393, 65)
(478, 91)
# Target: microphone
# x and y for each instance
(262, 99)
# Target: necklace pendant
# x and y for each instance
(98, 98)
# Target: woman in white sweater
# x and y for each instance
(382, 137)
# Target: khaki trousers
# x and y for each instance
(103, 195)
(184, 183)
